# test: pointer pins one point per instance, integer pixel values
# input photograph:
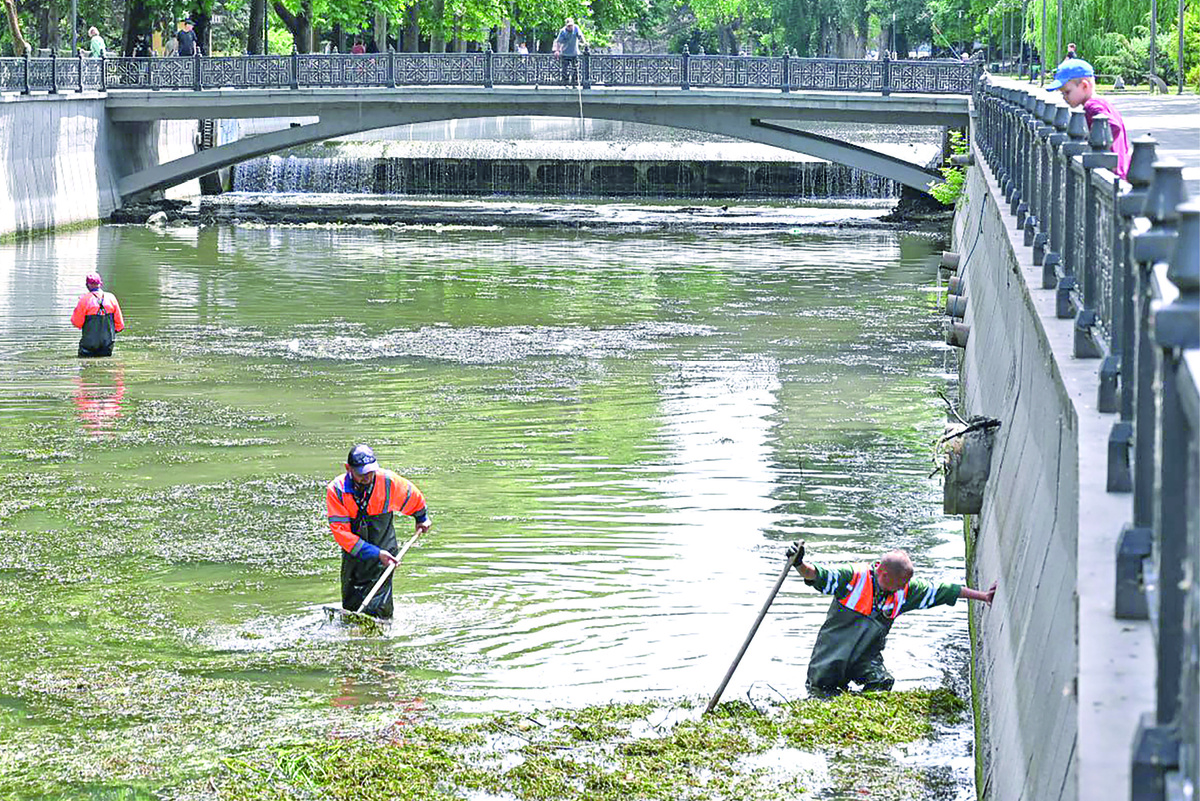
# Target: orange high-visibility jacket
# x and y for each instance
(390, 493)
(861, 594)
(89, 304)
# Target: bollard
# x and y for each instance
(957, 334)
(956, 306)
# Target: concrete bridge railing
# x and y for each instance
(1123, 258)
(679, 71)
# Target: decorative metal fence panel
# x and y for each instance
(489, 69)
(1103, 263)
(742, 72)
(257, 72)
(635, 70)
(932, 77)
(437, 69)
(836, 74)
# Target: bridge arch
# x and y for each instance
(750, 116)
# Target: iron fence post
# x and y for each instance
(1175, 328)
(684, 82)
(197, 83)
(585, 78)
(79, 58)
(1125, 286)
(1054, 241)
(787, 74)
(886, 77)
(1100, 140)
(53, 71)
(1072, 218)
(487, 67)
(295, 68)
(391, 71)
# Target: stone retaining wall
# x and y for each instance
(64, 159)
(1057, 676)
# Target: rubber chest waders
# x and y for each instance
(99, 332)
(359, 575)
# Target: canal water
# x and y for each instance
(618, 433)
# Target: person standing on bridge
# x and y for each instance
(360, 504)
(99, 317)
(1076, 79)
(189, 45)
(867, 599)
(566, 47)
(96, 48)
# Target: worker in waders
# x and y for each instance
(99, 316)
(361, 504)
(867, 599)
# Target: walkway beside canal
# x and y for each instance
(1063, 682)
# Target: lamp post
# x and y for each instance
(1058, 51)
(74, 23)
(1153, 37)
(1042, 68)
(893, 47)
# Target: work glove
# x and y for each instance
(796, 549)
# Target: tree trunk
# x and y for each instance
(381, 30)
(299, 25)
(412, 29)
(338, 38)
(504, 36)
(258, 24)
(139, 19)
(20, 46)
(437, 36)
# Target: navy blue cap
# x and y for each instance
(1069, 70)
(362, 460)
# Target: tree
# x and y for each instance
(20, 46)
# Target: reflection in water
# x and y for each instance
(99, 393)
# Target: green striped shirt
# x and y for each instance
(920, 594)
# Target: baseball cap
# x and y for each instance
(93, 279)
(362, 460)
(1069, 70)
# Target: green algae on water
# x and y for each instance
(608, 753)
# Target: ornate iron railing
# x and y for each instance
(487, 69)
(1123, 258)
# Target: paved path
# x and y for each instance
(1174, 120)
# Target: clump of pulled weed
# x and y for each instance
(611, 752)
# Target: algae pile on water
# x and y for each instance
(616, 752)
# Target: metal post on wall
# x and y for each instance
(1179, 58)
(1042, 69)
(1058, 51)
(1153, 43)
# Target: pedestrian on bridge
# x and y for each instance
(98, 316)
(360, 505)
(189, 45)
(96, 48)
(1076, 79)
(867, 599)
(566, 47)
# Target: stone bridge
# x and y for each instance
(752, 98)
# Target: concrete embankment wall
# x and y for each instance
(1057, 678)
(64, 158)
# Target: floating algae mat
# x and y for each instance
(617, 752)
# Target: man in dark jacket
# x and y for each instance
(867, 599)
(189, 45)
